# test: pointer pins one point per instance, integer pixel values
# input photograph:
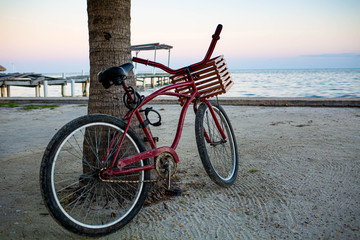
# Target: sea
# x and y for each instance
(306, 83)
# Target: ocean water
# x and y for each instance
(331, 83)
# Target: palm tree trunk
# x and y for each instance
(109, 41)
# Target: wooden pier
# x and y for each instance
(154, 79)
(37, 81)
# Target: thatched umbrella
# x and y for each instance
(2, 68)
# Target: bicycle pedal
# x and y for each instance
(173, 192)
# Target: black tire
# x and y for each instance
(70, 183)
(219, 158)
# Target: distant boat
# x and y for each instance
(2, 68)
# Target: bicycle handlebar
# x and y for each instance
(215, 38)
(217, 32)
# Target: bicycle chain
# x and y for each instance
(125, 181)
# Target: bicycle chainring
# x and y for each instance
(162, 163)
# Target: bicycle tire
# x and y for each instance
(69, 177)
(220, 159)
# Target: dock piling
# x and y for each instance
(37, 91)
(8, 91)
(84, 87)
(3, 90)
(63, 90)
(72, 87)
(45, 88)
(155, 79)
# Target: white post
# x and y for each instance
(37, 91)
(154, 60)
(45, 88)
(136, 71)
(169, 58)
(72, 87)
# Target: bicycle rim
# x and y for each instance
(81, 196)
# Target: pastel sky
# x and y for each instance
(51, 36)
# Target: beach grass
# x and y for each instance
(10, 105)
(35, 106)
(29, 106)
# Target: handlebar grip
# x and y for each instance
(216, 35)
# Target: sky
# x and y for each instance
(49, 36)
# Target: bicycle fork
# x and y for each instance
(218, 126)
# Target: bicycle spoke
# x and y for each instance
(83, 192)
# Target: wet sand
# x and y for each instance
(298, 177)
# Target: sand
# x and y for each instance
(298, 177)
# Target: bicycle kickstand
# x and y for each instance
(169, 191)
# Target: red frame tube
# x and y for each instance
(215, 119)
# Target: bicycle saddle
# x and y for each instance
(114, 75)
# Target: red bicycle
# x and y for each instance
(95, 172)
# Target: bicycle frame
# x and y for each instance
(154, 151)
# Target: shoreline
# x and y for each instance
(235, 101)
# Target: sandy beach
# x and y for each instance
(298, 177)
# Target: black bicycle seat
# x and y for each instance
(114, 75)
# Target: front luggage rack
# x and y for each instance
(211, 79)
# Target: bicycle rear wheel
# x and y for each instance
(69, 176)
(219, 158)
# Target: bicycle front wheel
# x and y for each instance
(219, 157)
(69, 177)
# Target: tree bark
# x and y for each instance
(109, 40)
(110, 45)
